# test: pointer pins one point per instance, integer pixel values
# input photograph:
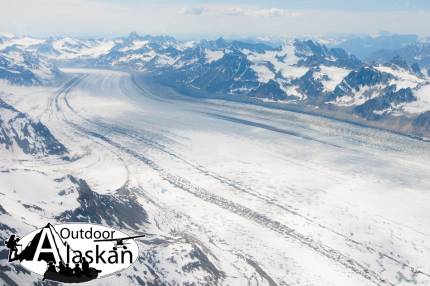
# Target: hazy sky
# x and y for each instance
(195, 18)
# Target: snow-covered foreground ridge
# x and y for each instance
(228, 193)
(299, 74)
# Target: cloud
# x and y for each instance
(270, 12)
(114, 17)
(192, 10)
(235, 11)
(276, 12)
(239, 11)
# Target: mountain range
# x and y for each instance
(388, 88)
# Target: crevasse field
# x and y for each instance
(271, 196)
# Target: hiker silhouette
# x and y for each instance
(12, 244)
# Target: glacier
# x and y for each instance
(231, 193)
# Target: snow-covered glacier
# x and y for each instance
(228, 193)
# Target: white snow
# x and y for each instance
(364, 94)
(293, 90)
(423, 101)
(35, 188)
(186, 45)
(135, 45)
(264, 74)
(81, 48)
(212, 56)
(7, 35)
(20, 41)
(335, 74)
(404, 79)
(41, 69)
(101, 48)
(287, 67)
(163, 60)
(66, 43)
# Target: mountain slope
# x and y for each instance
(418, 52)
(24, 68)
(18, 132)
(364, 46)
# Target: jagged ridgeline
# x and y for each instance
(378, 86)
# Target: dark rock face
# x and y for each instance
(121, 209)
(365, 76)
(315, 54)
(254, 47)
(195, 259)
(30, 136)
(309, 85)
(23, 71)
(16, 74)
(202, 262)
(270, 90)
(415, 52)
(232, 71)
(416, 69)
(422, 121)
(390, 97)
(400, 62)
(3, 211)
(47, 49)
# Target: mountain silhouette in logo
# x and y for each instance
(58, 246)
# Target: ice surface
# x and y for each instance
(272, 197)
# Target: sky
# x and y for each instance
(198, 19)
